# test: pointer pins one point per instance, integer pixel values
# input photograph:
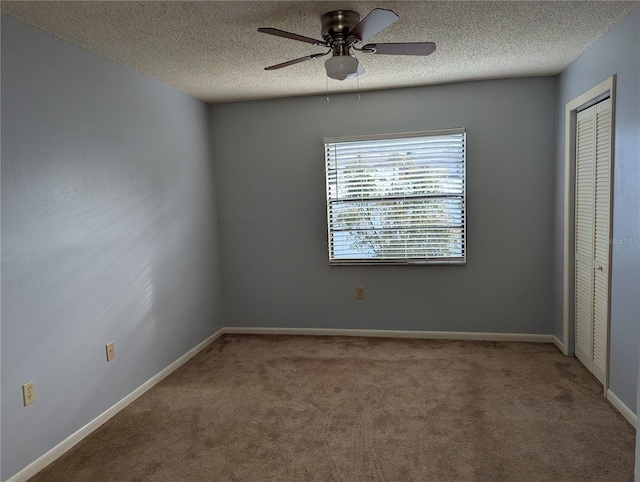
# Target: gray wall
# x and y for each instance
(618, 52)
(272, 212)
(108, 234)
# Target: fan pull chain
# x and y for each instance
(326, 78)
(357, 87)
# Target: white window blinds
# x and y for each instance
(396, 199)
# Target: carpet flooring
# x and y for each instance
(296, 408)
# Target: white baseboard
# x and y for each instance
(560, 346)
(626, 412)
(441, 335)
(64, 446)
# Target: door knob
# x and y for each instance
(599, 268)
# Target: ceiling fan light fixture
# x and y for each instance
(359, 72)
(340, 67)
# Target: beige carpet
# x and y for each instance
(288, 408)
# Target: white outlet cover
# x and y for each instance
(28, 393)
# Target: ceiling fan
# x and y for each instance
(342, 32)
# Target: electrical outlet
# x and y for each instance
(110, 352)
(28, 393)
(360, 293)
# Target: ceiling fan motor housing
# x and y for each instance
(336, 26)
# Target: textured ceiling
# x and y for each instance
(212, 50)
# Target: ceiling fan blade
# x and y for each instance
(289, 35)
(377, 20)
(296, 61)
(409, 48)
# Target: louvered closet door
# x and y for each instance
(602, 235)
(593, 208)
(585, 144)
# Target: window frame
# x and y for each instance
(461, 260)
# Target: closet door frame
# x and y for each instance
(594, 95)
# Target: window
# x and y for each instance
(398, 198)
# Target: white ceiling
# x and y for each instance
(212, 50)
